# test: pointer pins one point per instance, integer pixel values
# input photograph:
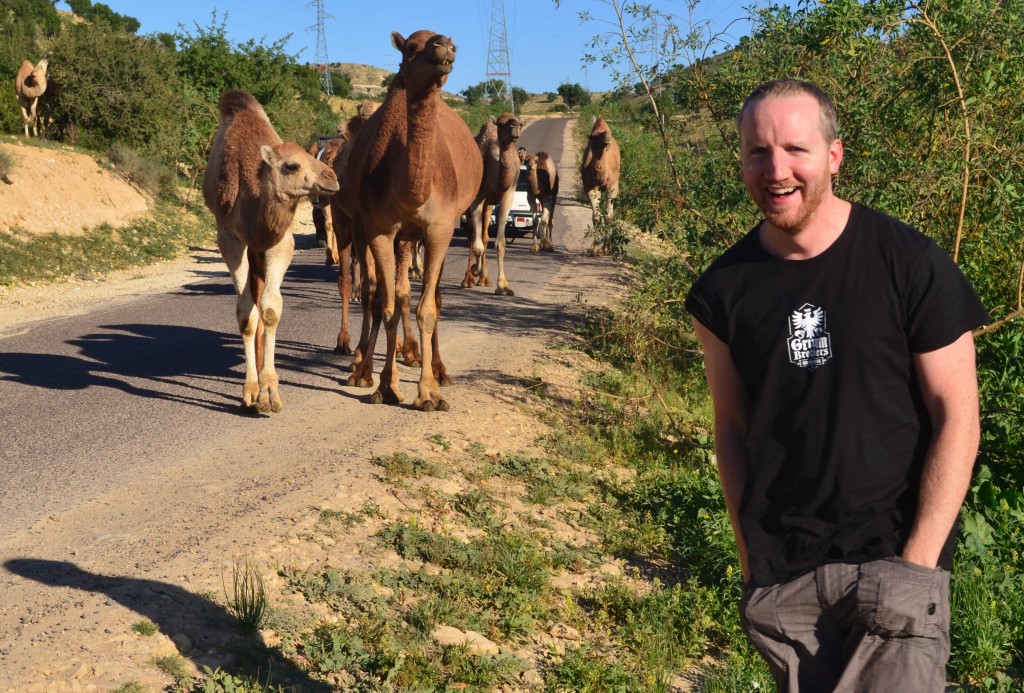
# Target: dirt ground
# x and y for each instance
(167, 542)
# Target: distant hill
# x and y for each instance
(366, 79)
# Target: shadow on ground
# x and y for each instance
(176, 611)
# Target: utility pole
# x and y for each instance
(498, 66)
(320, 61)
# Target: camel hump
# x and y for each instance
(235, 101)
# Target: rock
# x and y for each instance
(560, 630)
(182, 643)
(453, 637)
(531, 677)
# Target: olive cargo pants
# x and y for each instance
(876, 626)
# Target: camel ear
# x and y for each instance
(398, 42)
(268, 155)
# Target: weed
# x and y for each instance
(346, 519)
(400, 465)
(131, 687)
(439, 440)
(172, 665)
(144, 628)
(7, 164)
(248, 598)
(372, 509)
(148, 173)
(217, 681)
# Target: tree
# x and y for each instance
(574, 95)
(519, 97)
(100, 13)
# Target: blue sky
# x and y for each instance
(545, 41)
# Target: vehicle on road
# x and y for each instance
(521, 219)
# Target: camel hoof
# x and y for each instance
(248, 409)
(427, 406)
(443, 405)
(355, 381)
(377, 398)
(385, 396)
(504, 291)
(343, 349)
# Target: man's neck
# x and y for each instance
(817, 235)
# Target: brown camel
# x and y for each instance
(542, 183)
(600, 171)
(496, 140)
(325, 149)
(253, 184)
(29, 85)
(412, 171)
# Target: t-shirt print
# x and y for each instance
(809, 343)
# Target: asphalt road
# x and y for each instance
(89, 402)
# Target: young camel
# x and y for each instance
(496, 140)
(600, 171)
(411, 172)
(253, 184)
(542, 182)
(29, 85)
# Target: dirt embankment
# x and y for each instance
(56, 190)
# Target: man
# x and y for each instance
(838, 351)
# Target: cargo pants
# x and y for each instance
(876, 626)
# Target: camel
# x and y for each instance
(325, 149)
(411, 172)
(600, 171)
(253, 184)
(496, 140)
(542, 182)
(29, 86)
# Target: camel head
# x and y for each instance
(291, 173)
(530, 162)
(601, 135)
(427, 60)
(509, 128)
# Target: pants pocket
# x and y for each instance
(897, 598)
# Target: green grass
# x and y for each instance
(145, 628)
(49, 257)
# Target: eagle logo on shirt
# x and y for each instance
(809, 343)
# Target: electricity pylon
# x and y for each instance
(498, 67)
(320, 61)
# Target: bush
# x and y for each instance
(147, 173)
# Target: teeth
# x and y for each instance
(781, 191)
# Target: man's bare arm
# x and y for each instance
(949, 385)
(729, 397)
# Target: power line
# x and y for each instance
(320, 61)
(498, 84)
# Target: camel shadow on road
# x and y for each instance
(175, 611)
(186, 365)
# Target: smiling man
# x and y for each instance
(839, 356)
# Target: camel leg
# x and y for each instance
(610, 196)
(25, 120)
(548, 224)
(341, 234)
(473, 215)
(538, 226)
(409, 347)
(383, 250)
(35, 117)
(271, 306)
(428, 397)
(502, 288)
(362, 363)
(436, 365)
(483, 276)
(233, 252)
(595, 207)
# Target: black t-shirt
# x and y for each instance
(838, 430)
